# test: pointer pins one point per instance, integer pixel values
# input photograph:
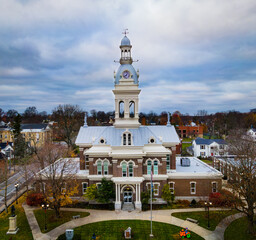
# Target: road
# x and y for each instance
(16, 178)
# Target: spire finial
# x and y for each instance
(125, 31)
(85, 120)
(168, 119)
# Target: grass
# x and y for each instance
(202, 217)
(187, 140)
(209, 162)
(114, 230)
(52, 221)
(185, 145)
(237, 230)
(24, 232)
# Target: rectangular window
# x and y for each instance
(168, 163)
(221, 146)
(172, 187)
(214, 187)
(84, 187)
(105, 168)
(5, 136)
(156, 189)
(202, 146)
(124, 139)
(184, 131)
(192, 188)
(86, 161)
(149, 168)
(202, 154)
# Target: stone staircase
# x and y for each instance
(128, 207)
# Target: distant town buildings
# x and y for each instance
(188, 131)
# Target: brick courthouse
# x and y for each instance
(126, 152)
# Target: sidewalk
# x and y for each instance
(163, 216)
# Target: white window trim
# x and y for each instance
(191, 188)
(172, 189)
(126, 134)
(149, 188)
(83, 187)
(216, 187)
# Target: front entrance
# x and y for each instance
(128, 196)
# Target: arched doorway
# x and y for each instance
(127, 194)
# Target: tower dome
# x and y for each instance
(125, 41)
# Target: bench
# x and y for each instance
(76, 217)
(192, 220)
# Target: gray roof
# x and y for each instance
(34, 126)
(202, 141)
(140, 136)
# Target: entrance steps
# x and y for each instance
(128, 207)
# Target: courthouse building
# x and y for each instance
(127, 151)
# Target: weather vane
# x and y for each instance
(125, 31)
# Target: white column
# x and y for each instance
(136, 192)
(139, 193)
(116, 193)
(119, 193)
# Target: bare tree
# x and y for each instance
(69, 119)
(244, 174)
(4, 179)
(57, 175)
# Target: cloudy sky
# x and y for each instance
(193, 54)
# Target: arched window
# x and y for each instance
(124, 169)
(130, 169)
(132, 109)
(105, 167)
(121, 109)
(124, 139)
(127, 139)
(155, 167)
(149, 167)
(99, 168)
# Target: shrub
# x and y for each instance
(223, 198)
(193, 202)
(184, 203)
(35, 199)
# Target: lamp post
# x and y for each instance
(208, 205)
(45, 207)
(17, 188)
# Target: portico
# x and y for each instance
(128, 189)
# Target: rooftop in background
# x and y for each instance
(196, 168)
(202, 141)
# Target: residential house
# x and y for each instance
(208, 147)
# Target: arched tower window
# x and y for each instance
(130, 169)
(132, 109)
(155, 167)
(99, 168)
(121, 109)
(105, 167)
(124, 169)
(149, 166)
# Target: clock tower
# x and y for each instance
(126, 89)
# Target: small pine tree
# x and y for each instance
(106, 191)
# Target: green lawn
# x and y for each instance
(52, 221)
(202, 217)
(187, 140)
(185, 145)
(237, 230)
(24, 232)
(209, 162)
(114, 230)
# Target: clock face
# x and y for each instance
(126, 74)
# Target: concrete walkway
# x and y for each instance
(163, 216)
